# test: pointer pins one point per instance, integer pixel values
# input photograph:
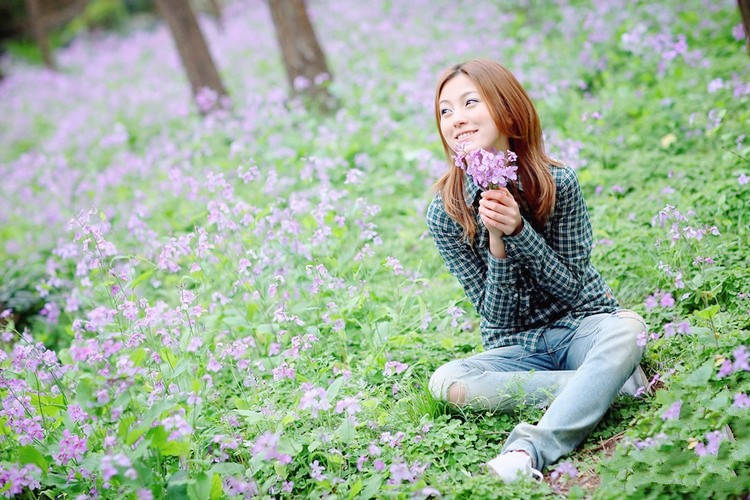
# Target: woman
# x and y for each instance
(549, 323)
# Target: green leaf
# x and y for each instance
(333, 391)
(356, 488)
(700, 376)
(252, 417)
(346, 431)
(217, 487)
(373, 486)
(200, 487)
(30, 455)
(708, 313)
(228, 469)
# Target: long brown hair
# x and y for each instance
(515, 117)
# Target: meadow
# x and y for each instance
(248, 304)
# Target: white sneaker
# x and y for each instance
(512, 466)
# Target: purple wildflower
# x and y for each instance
(564, 468)
(488, 170)
(316, 471)
(315, 400)
(711, 447)
(741, 400)
(673, 412)
(394, 367)
(743, 179)
(72, 447)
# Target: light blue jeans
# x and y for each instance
(580, 371)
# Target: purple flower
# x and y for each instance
(741, 400)
(715, 85)
(741, 359)
(394, 264)
(315, 400)
(711, 447)
(266, 446)
(349, 404)
(394, 367)
(642, 339)
(673, 412)
(72, 447)
(316, 471)
(488, 170)
(726, 369)
(738, 32)
(667, 300)
(564, 468)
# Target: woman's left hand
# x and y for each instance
(500, 212)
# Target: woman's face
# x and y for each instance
(465, 119)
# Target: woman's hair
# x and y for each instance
(515, 117)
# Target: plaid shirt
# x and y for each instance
(546, 281)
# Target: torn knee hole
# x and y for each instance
(457, 393)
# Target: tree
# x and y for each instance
(38, 30)
(304, 60)
(744, 6)
(194, 54)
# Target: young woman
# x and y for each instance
(551, 328)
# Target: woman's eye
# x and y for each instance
(444, 111)
(469, 101)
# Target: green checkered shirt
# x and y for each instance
(546, 281)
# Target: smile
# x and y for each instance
(464, 135)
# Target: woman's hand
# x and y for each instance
(499, 212)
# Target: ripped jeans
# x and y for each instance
(580, 371)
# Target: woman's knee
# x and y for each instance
(446, 384)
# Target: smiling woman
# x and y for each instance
(549, 322)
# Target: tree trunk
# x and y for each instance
(304, 60)
(39, 33)
(216, 12)
(744, 6)
(196, 59)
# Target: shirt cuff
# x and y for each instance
(527, 242)
(500, 271)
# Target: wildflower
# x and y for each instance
(673, 412)
(316, 471)
(315, 400)
(13, 480)
(266, 447)
(564, 468)
(642, 339)
(394, 264)
(711, 447)
(743, 179)
(379, 465)
(715, 85)
(394, 367)
(741, 400)
(488, 170)
(349, 404)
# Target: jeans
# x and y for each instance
(579, 371)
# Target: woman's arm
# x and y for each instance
(558, 265)
(491, 288)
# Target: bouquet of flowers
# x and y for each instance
(488, 170)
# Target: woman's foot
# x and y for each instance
(512, 466)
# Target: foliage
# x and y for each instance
(248, 304)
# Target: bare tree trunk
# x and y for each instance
(744, 6)
(37, 28)
(216, 12)
(196, 59)
(304, 60)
